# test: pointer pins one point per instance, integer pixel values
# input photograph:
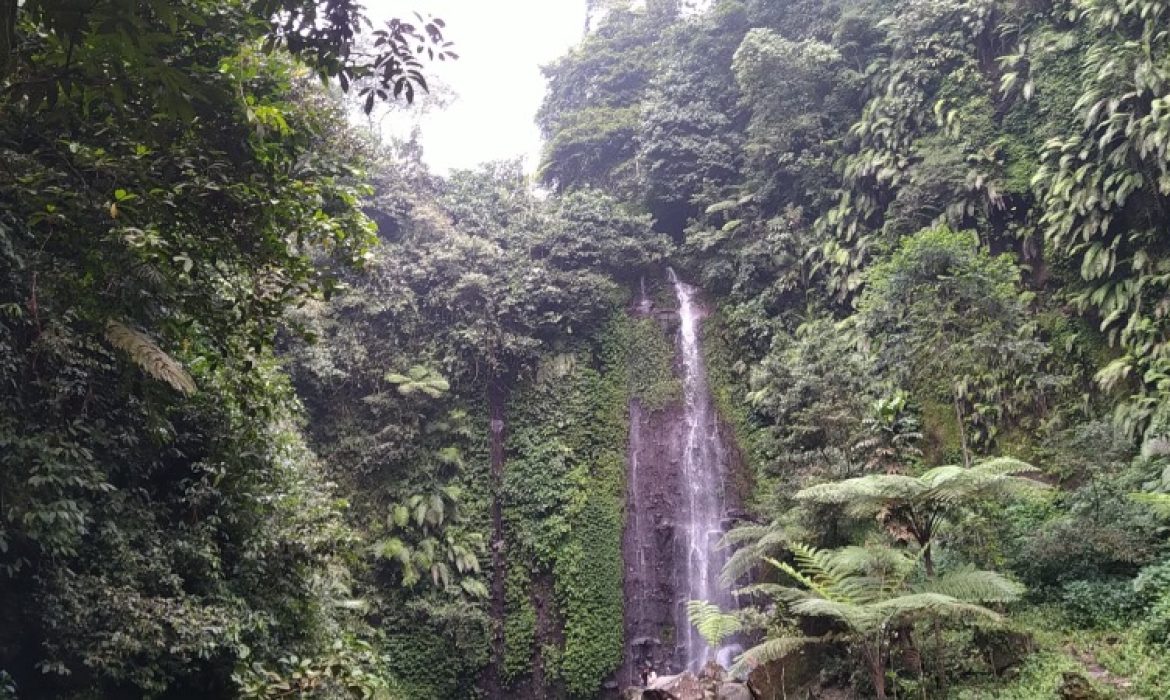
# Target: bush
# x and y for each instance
(1100, 603)
(1155, 627)
(1152, 583)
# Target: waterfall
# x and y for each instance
(678, 459)
(703, 470)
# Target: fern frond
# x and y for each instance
(1004, 466)
(755, 542)
(810, 575)
(768, 651)
(774, 591)
(860, 618)
(974, 586)
(474, 588)
(420, 378)
(713, 624)
(153, 360)
(865, 490)
(934, 604)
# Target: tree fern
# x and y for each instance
(153, 360)
(867, 593)
(912, 508)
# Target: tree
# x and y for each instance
(914, 508)
(162, 520)
(951, 326)
(868, 594)
(54, 50)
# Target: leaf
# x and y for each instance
(149, 356)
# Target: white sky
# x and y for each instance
(497, 81)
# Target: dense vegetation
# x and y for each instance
(286, 415)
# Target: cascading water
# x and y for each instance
(679, 457)
(703, 471)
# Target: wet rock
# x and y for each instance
(684, 686)
(733, 691)
(710, 684)
(713, 672)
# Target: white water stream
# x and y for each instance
(704, 467)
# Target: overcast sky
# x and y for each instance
(496, 82)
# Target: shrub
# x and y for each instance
(1099, 603)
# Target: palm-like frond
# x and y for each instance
(932, 605)
(713, 624)
(864, 588)
(973, 586)
(771, 650)
(954, 484)
(422, 379)
(153, 360)
(754, 542)
(861, 618)
(768, 590)
(942, 486)
(864, 491)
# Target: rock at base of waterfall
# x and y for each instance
(708, 685)
(733, 691)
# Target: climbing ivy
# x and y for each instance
(564, 492)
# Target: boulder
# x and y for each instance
(733, 691)
(684, 686)
(710, 684)
(786, 676)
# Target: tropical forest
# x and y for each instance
(822, 352)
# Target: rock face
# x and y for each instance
(649, 544)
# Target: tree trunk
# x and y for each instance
(962, 431)
(877, 670)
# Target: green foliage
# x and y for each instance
(649, 357)
(350, 669)
(713, 624)
(951, 325)
(1099, 603)
(519, 623)
(153, 536)
(1104, 184)
(55, 52)
(915, 508)
(1155, 623)
(566, 491)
